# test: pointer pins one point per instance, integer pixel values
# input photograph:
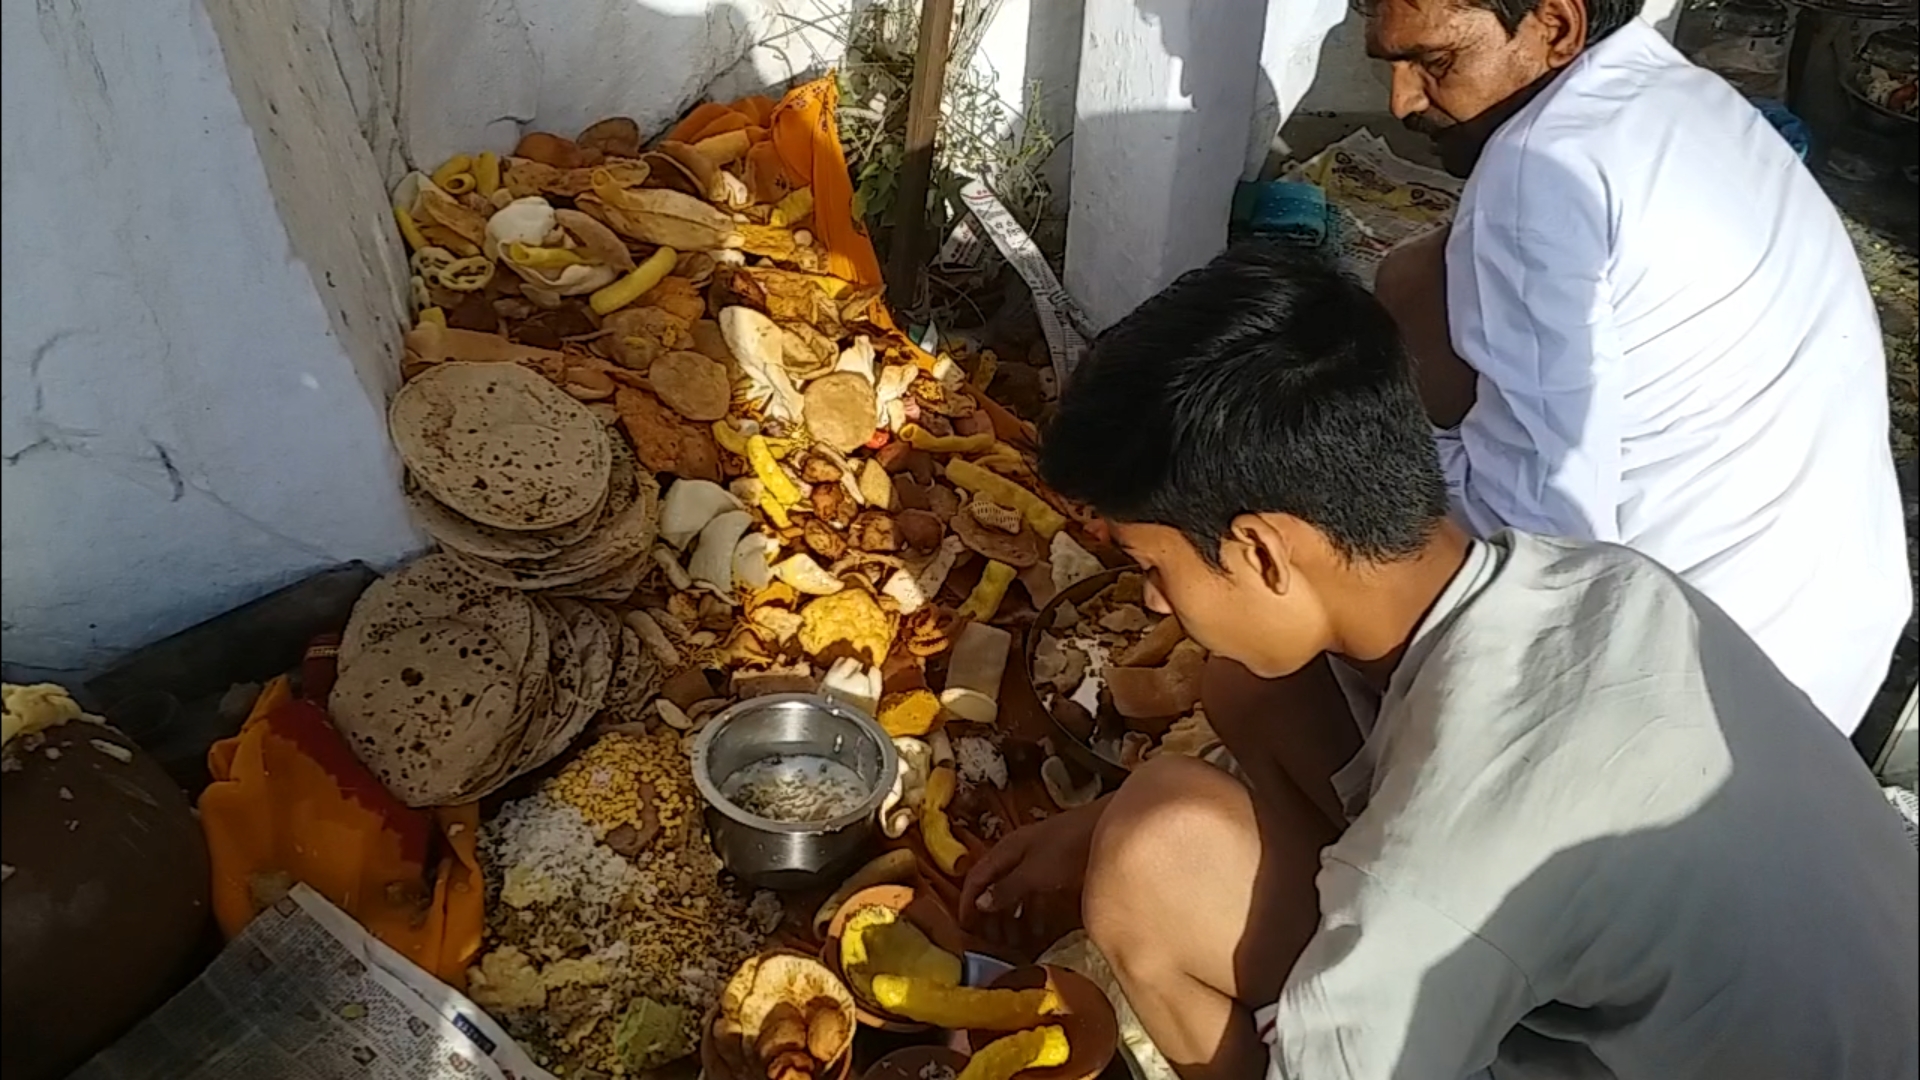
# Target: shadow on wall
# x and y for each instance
(471, 79)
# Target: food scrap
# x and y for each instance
(1119, 678)
(675, 454)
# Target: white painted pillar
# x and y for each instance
(1164, 105)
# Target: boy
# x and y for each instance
(1592, 831)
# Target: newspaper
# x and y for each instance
(1061, 319)
(1382, 199)
(304, 993)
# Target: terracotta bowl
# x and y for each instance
(918, 907)
(1093, 1031)
(917, 1063)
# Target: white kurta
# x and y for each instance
(1677, 351)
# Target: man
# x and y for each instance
(1650, 326)
(1593, 832)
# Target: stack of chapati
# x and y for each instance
(521, 485)
(449, 687)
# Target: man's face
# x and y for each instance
(1458, 74)
(1236, 610)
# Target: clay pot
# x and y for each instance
(106, 895)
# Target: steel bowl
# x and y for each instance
(792, 855)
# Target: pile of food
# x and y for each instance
(610, 931)
(1886, 71)
(675, 453)
(1121, 680)
(449, 687)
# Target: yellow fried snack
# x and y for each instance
(773, 479)
(1005, 1058)
(921, 439)
(410, 230)
(911, 713)
(1045, 519)
(457, 165)
(849, 617)
(543, 258)
(635, 284)
(963, 1006)
(984, 601)
(776, 513)
(877, 941)
(486, 173)
(936, 829)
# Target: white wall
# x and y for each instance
(203, 290)
(478, 73)
(183, 427)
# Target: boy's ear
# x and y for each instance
(1261, 552)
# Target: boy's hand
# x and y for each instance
(1050, 857)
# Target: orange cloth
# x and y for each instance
(808, 139)
(796, 144)
(289, 798)
(800, 137)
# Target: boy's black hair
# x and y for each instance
(1265, 382)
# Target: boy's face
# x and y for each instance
(1256, 608)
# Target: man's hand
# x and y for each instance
(1031, 863)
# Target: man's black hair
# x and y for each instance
(1265, 382)
(1603, 16)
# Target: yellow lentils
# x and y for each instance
(614, 780)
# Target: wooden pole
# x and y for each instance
(916, 173)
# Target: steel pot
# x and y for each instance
(792, 855)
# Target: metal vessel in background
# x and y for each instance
(1743, 41)
(1884, 74)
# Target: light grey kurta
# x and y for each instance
(1596, 833)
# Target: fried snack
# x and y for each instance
(936, 828)
(962, 1006)
(1003, 1059)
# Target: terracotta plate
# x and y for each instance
(1093, 1031)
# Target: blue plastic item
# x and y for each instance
(1285, 209)
(1791, 127)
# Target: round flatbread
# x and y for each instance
(450, 530)
(438, 587)
(501, 445)
(636, 678)
(428, 708)
(593, 650)
(613, 587)
(563, 665)
(625, 535)
(469, 537)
